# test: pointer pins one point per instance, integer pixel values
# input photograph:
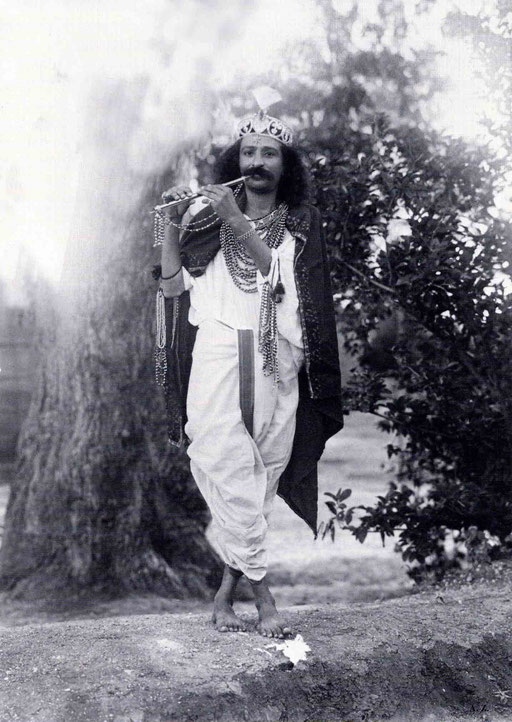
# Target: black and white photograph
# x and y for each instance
(256, 361)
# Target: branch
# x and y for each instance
(424, 430)
(370, 280)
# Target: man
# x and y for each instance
(250, 350)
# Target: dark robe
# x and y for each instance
(319, 411)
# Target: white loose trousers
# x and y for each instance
(238, 473)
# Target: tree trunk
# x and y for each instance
(102, 503)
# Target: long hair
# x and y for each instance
(293, 186)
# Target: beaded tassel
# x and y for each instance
(160, 351)
(267, 333)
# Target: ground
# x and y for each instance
(379, 650)
(430, 657)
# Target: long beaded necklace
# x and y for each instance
(239, 262)
(242, 270)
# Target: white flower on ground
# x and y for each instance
(295, 649)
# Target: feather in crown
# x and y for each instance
(263, 124)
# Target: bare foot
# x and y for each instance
(271, 623)
(224, 618)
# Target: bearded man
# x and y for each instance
(249, 350)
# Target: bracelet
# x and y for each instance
(245, 235)
(168, 278)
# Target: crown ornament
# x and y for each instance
(261, 123)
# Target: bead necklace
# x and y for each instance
(242, 270)
(239, 262)
(265, 220)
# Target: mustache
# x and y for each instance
(261, 172)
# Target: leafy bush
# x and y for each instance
(414, 233)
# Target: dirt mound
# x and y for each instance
(424, 657)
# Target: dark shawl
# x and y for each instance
(319, 412)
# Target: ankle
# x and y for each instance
(235, 573)
(222, 599)
(258, 584)
(262, 594)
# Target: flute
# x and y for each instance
(171, 204)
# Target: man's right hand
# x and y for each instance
(174, 194)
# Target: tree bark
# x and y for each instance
(102, 503)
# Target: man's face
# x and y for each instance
(258, 152)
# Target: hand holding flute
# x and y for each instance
(224, 205)
(174, 195)
(176, 202)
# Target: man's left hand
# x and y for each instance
(222, 201)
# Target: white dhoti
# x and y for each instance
(238, 473)
(237, 458)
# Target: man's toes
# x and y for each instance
(265, 631)
(230, 626)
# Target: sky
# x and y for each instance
(52, 54)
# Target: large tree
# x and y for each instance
(101, 501)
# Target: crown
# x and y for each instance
(261, 123)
